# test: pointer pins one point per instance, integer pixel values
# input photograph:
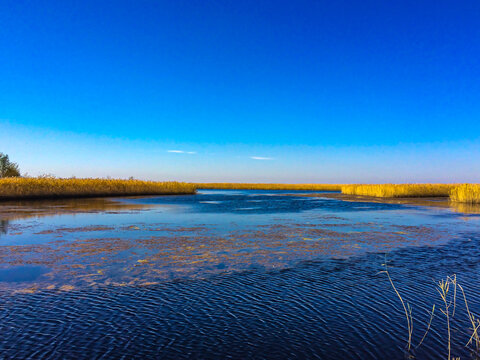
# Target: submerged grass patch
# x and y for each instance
(45, 187)
(250, 186)
(399, 190)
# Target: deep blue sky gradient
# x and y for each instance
(335, 91)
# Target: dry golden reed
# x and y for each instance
(466, 193)
(49, 187)
(250, 186)
(399, 190)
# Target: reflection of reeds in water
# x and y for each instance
(466, 193)
(247, 186)
(448, 308)
(3, 226)
(45, 187)
(23, 209)
(465, 208)
(399, 190)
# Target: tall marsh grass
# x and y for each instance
(466, 193)
(251, 186)
(49, 187)
(399, 190)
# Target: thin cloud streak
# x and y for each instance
(260, 158)
(181, 152)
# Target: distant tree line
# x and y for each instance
(7, 167)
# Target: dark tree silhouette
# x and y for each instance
(8, 168)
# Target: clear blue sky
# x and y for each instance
(297, 91)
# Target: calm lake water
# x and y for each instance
(231, 274)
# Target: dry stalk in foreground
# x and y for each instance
(447, 289)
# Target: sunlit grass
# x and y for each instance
(251, 186)
(466, 193)
(49, 187)
(399, 190)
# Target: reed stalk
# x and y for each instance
(475, 324)
(449, 305)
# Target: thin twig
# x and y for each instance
(409, 317)
(428, 327)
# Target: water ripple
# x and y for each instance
(326, 309)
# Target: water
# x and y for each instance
(230, 274)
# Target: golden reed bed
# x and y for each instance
(463, 193)
(247, 186)
(466, 193)
(45, 187)
(399, 190)
(28, 188)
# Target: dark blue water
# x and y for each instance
(233, 274)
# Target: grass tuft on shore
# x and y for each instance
(399, 190)
(466, 193)
(252, 186)
(49, 187)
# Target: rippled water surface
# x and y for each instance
(231, 274)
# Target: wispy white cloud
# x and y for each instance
(181, 152)
(260, 158)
